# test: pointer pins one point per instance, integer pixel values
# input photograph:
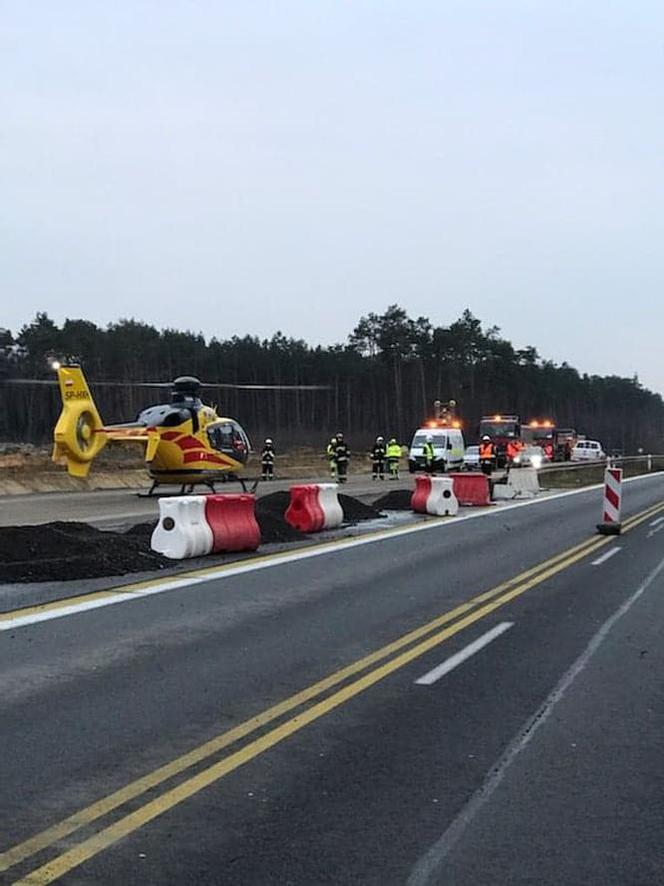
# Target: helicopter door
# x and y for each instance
(228, 437)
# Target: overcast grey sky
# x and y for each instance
(246, 167)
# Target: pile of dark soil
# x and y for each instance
(270, 516)
(395, 500)
(355, 511)
(65, 551)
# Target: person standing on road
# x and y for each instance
(487, 455)
(393, 454)
(513, 449)
(428, 453)
(341, 457)
(332, 458)
(378, 459)
(267, 460)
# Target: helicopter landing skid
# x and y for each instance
(188, 488)
(254, 483)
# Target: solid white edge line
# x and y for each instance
(458, 658)
(606, 556)
(118, 595)
(657, 521)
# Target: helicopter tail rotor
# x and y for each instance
(79, 435)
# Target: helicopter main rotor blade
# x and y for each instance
(248, 387)
(168, 384)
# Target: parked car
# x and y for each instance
(530, 457)
(471, 460)
(588, 450)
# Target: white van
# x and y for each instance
(588, 450)
(448, 449)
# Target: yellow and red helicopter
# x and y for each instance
(186, 442)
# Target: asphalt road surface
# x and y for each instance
(113, 508)
(477, 702)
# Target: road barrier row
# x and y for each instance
(313, 507)
(198, 525)
(519, 483)
(435, 496)
(471, 489)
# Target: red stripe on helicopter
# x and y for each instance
(190, 457)
(184, 441)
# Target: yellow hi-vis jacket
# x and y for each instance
(393, 450)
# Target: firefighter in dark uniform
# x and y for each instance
(267, 460)
(487, 455)
(341, 457)
(378, 454)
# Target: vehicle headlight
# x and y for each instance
(536, 461)
(517, 459)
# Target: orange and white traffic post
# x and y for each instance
(611, 505)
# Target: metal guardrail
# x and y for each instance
(617, 461)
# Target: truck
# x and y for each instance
(502, 429)
(556, 442)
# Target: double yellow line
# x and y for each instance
(367, 672)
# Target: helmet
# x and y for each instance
(333, 440)
(268, 440)
(340, 436)
(429, 438)
(393, 441)
(486, 438)
(379, 439)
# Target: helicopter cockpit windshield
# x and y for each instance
(228, 437)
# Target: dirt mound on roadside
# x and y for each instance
(355, 511)
(394, 500)
(66, 551)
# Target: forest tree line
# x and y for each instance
(383, 379)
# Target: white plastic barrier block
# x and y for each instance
(442, 502)
(182, 530)
(329, 502)
(521, 483)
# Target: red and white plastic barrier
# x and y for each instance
(329, 502)
(435, 496)
(197, 525)
(612, 503)
(314, 506)
(472, 489)
(232, 519)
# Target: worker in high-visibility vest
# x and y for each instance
(487, 455)
(393, 455)
(428, 453)
(513, 449)
(332, 457)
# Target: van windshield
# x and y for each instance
(421, 438)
